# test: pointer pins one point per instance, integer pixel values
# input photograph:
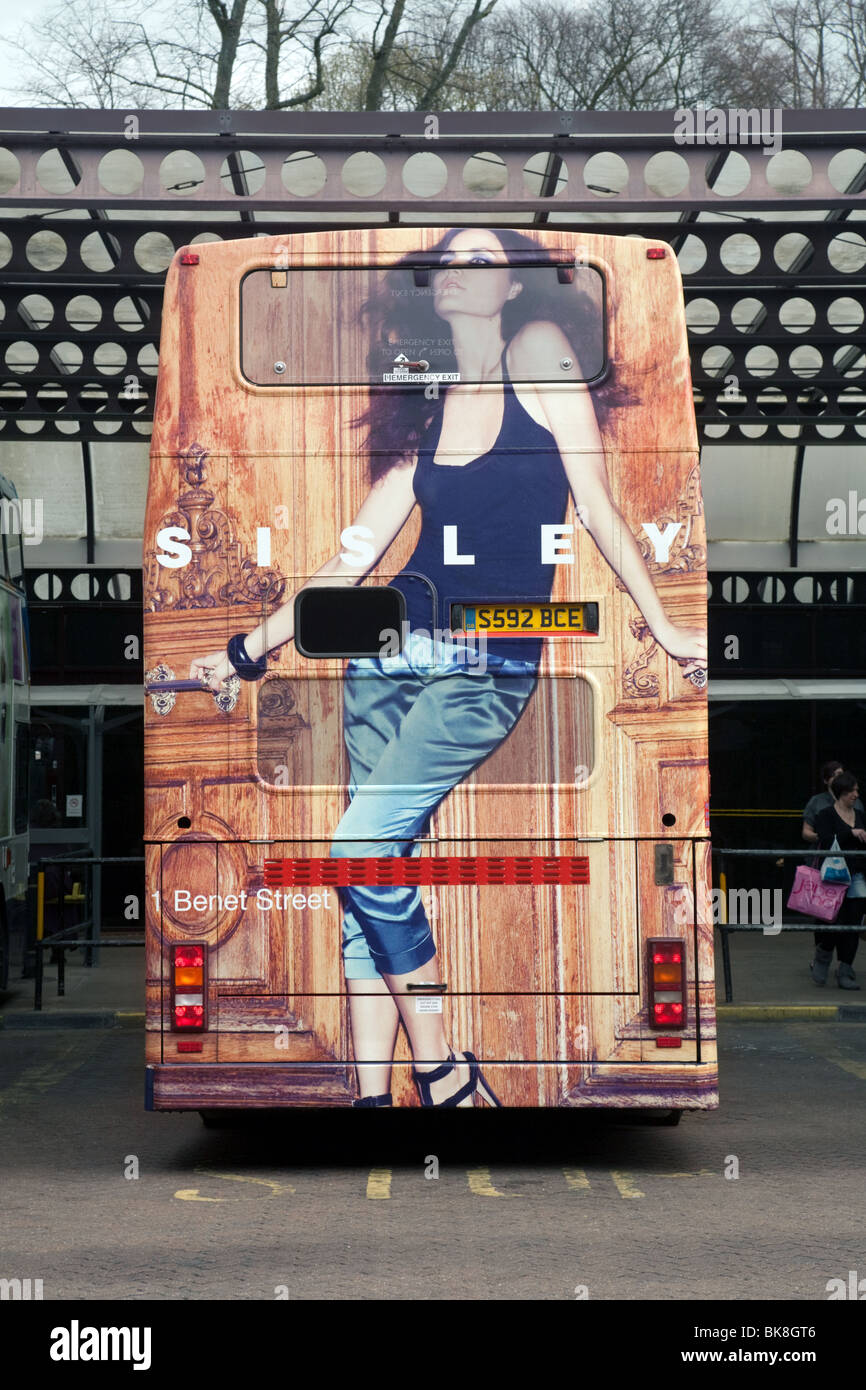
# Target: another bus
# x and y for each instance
(425, 642)
(14, 726)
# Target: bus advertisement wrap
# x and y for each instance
(425, 643)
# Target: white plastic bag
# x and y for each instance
(834, 869)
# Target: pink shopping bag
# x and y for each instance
(814, 897)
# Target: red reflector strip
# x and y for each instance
(190, 1045)
(473, 869)
(655, 253)
(189, 258)
(669, 1042)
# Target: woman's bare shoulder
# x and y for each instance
(400, 474)
(539, 336)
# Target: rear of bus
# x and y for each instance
(566, 880)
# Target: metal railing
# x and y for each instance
(725, 927)
(87, 930)
(60, 942)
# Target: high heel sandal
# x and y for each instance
(477, 1082)
(364, 1101)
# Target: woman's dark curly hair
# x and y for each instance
(403, 320)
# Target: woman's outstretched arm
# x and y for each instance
(536, 354)
(383, 514)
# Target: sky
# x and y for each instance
(13, 20)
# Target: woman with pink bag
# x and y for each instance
(845, 824)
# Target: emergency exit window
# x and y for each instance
(378, 325)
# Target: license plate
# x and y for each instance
(526, 619)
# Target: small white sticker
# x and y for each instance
(428, 1004)
(74, 805)
(403, 377)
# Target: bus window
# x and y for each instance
(563, 702)
(287, 753)
(282, 313)
(291, 750)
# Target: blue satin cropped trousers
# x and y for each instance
(414, 725)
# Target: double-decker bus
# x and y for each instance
(425, 642)
(14, 726)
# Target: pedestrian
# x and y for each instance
(843, 822)
(821, 799)
(816, 803)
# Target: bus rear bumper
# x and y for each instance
(256, 1085)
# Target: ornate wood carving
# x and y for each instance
(686, 555)
(637, 682)
(281, 724)
(219, 574)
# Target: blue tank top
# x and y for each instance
(498, 503)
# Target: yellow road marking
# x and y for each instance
(43, 1075)
(625, 1184)
(830, 1053)
(481, 1184)
(276, 1187)
(576, 1179)
(191, 1194)
(379, 1184)
(698, 1173)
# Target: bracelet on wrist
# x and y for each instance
(246, 668)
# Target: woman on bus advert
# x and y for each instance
(417, 721)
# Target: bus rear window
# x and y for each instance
(378, 326)
(552, 743)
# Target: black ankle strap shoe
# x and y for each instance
(477, 1083)
(365, 1101)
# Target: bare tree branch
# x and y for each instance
(229, 27)
(440, 79)
(382, 56)
(447, 54)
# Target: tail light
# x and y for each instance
(188, 988)
(667, 983)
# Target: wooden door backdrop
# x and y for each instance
(534, 973)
